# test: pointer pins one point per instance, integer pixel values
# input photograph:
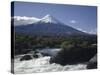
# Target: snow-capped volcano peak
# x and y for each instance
(23, 20)
(49, 19)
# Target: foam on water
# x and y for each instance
(42, 65)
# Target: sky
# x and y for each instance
(83, 18)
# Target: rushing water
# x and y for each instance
(42, 64)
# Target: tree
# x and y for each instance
(67, 44)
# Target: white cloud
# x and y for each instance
(82, 30)
(24, 20)
(90, 32)
(73, 21)
(79, 29)
(93, 32)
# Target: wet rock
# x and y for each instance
(26, 57)
(45, 54)
(73, 55)
(92, 64)
(35, 56)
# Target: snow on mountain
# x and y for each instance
(18, 20)
(49, 19)
(47, 26)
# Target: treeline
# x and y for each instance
(25, 42)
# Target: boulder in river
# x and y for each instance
(26, 57)
(92, 64)
(35, 56)
(73, 55)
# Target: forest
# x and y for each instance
(25, 43)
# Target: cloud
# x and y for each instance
(82, 30)
(93, 31)
(24, 20)
(79, 29)
(89, 32)
(73, 21)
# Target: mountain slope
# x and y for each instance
(48, 26)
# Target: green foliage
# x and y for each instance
(24, 42)
(67, 44)
(78, 42)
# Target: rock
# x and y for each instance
(73, 55)
(26, 57)
(92, 64)
(45, 54)
(35, 52)
(35, 56)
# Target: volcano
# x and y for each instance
(48, 26)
